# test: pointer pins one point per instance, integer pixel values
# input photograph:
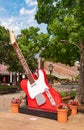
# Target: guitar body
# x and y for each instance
(33, 91)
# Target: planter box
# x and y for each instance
(62, 115)
(37, 112)
(14, 107)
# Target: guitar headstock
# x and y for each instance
(12, 37)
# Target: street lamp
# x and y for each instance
(50, 70)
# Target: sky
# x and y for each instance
(19, 14)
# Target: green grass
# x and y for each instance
(65, 94)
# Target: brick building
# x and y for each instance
(60, 70)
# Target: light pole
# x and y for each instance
(50, 70)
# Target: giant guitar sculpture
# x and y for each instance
(40, 95)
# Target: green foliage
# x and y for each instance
(31, 43)
(73, 94)
(50, 77)
(65, 26)
(4, 87)
(7, 54)
(63, 94)
(7, 89)
(4, 39)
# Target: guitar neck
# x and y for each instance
(23, 62)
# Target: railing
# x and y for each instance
(65, 88)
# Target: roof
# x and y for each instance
(3, 69)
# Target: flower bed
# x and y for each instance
(16, 101)
(73, 106)
(73, 102)
(62, 112)
(63, 106)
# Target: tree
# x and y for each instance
(65, 24)
(4, 38)
(30, 42)
(26, 42)
(7, 54)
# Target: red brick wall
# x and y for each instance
(61, 69)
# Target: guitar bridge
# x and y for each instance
(40, 99)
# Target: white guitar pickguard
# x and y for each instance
(38, 86)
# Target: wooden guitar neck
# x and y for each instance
(21, 58)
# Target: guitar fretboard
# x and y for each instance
(23, 63)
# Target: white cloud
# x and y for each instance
(29, 12)
(10, 23)
(18, 23)
(25, 19)
(31, 2)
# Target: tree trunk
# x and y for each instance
(80, 90)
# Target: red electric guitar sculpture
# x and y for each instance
(39, 93)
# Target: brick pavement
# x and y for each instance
(5, 100)
(19, 121)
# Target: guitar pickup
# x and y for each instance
(33, 84)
